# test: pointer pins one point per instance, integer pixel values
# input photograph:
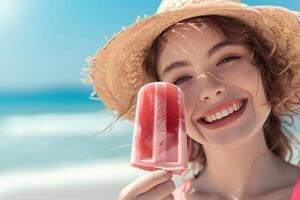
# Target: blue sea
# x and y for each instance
(54, 128)
(58, 128)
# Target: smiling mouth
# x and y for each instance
(225, 120)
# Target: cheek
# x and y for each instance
(190, 98)
(244, 76)
(243, 72)
(248, 79)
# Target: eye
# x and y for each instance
(228, 58)
(181, 80)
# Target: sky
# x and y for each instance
(44, 43)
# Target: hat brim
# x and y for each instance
(116, 73)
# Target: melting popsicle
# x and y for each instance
(159, 138)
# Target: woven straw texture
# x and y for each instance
(116, 69)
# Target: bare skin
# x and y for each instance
(278, 185)
(156, 185)
(239, 163)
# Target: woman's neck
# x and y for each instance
(234, 172)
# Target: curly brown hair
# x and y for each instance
(280, 78)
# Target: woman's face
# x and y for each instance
(210, 77)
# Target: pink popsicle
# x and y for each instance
(159, 138)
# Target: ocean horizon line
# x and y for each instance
(48, 95)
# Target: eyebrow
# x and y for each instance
(185, 63)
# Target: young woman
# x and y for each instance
(238, 68)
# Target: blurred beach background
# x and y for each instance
(49, 146)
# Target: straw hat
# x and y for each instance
(116, 69)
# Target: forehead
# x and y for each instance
(186, 40)
(190, 31)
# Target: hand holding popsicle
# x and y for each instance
(156, 185)
(159, 142)
(159, 139)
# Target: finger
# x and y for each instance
(159, 192)
(147, 182)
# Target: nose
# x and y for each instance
(209, 86)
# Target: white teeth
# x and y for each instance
(213, 117)
(235, 107)
(224, 112)
(230, 110)
(209, 119)
(219, 115)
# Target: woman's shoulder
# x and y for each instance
(295, 186)
(296, 190)
(290, 191)
(291, 173)
(289, 185)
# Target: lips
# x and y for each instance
(222, 106)
(225, 120)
